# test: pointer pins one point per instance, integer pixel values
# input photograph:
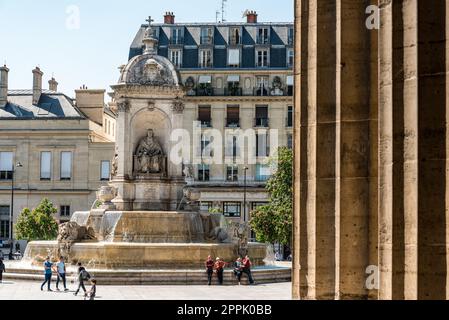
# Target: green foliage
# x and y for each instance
(215, 210)
(274, 221)
(38, 224)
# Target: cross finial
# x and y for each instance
(149, 20)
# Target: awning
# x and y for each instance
(289, 80)
(234, 78)
(205, 79)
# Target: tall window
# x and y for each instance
(262, 86)
(232, 173)
(234, 58)
(290, 58)
(205, 149)
(234, 36)
(291, 36)
(206, 36)
(66, 165)
(176, 57)
(262, 149)
(46, 165)
(290, 116)
(290, 141)
(262, 58)
(233, 116)
(65, 211)
(204, 116)
(6, 166)
(105, 170)
(203, 172)
(232, 209)
(261, 116)
(263, 172)
(176, 36)
(205, 58)
(4, 222)
(262, 36)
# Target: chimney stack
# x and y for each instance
(53, 85)
(37, 85)
(3, 86)
(251, 17)
(169, 18)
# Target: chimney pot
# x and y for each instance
(53, 85)
(169, 18)
(3, 86)
(251, 17)
(37, 85)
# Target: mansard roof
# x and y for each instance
(53, 105)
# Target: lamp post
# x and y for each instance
(11, 211)
(245, 169)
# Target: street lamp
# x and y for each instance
(11, 211)
(244, 193)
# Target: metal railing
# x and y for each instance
(261, 122)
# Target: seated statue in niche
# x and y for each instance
(149, 155)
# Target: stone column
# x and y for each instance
(412, 189)
(333, 156)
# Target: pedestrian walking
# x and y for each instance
(219, 269)
(2, 269)
(247, 269)
(238, 267)
(61, 273)
(90, 295)
(83, 276)
(209, 269)
(48, 266)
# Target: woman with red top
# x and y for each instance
(247, 269)
(209, 269)
(219, 269)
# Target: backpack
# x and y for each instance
(85, 275)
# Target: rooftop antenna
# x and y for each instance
(223, 6)
(217, 16)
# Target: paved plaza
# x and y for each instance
(28, 290)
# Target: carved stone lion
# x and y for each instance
(72, 232)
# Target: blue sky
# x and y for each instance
(46, 33)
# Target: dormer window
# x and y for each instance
(207, 36)
(176, 36)
(235, 36)
(263, 35)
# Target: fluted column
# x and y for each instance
(333, 151)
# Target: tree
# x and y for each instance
(38, 224)
(274, 221)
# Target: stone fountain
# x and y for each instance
(148, 216)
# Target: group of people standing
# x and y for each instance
(241, 266)
(60, 269)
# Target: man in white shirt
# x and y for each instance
(61, 274)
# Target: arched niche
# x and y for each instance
(154, 119)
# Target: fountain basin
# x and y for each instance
(123, 255)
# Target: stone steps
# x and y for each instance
(158, 277)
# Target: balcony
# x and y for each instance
(261, 92)
(233, 92)
(205, 123)
(205, 92)
(232, 123)
(261, 122)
